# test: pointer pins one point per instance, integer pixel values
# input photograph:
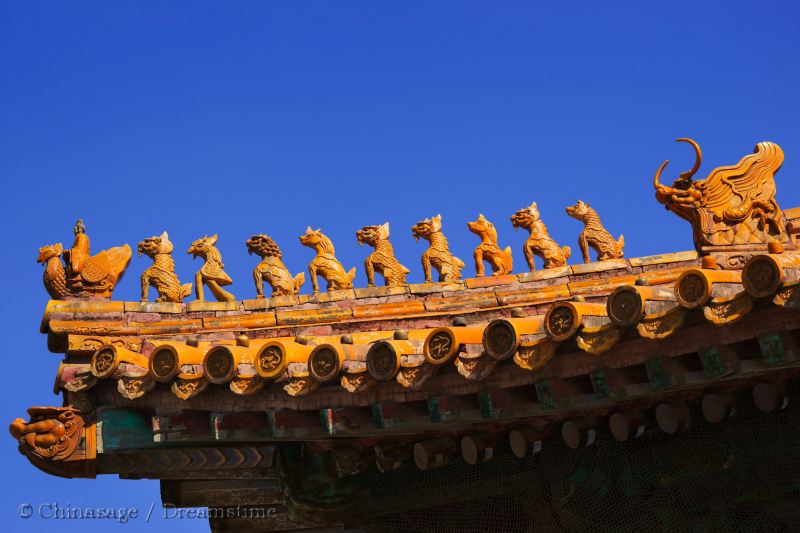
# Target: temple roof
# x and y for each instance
(199, 389)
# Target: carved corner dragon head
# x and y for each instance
(52, 433)
(58, 440)
(153, 246)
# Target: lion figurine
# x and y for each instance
(438, 253)
(271, 269)
(325, 263)
(594, 234)
(161, 274)
(382, 260)
(539, 243)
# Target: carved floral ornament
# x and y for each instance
(733, 206)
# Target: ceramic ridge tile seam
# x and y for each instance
(98, 306)
(317, 315)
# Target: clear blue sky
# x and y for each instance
(248, 117)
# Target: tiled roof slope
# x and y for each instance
(363, 339)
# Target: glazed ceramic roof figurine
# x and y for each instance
(381, 377)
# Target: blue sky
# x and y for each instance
(250, 117)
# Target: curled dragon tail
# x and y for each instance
(351, 274)
(298, 281)
(186, 290)
(508, 260)
(620, 243)
(567, 251)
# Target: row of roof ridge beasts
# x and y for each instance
(734, 205)
(82, 274)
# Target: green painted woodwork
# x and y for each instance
(772, 349)
(485, 403)
(124, 429)
(377, 416)
(544, 392)
(435, 410)
(600, 384)
(656, 373)
(713, 367)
